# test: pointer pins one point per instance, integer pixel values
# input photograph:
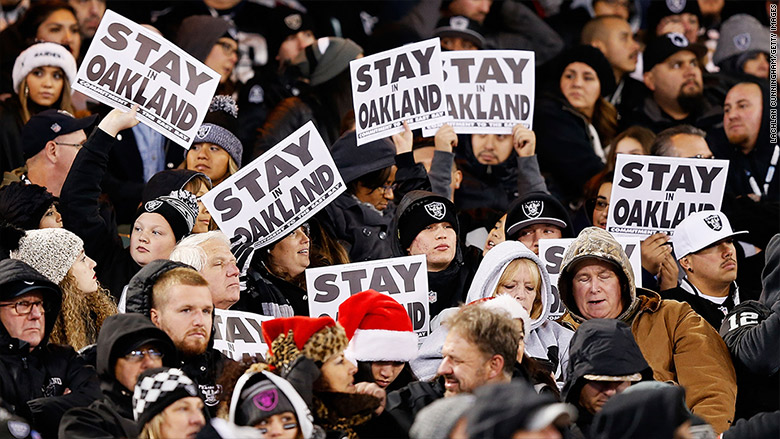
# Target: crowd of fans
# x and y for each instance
(111, 267)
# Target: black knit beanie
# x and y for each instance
(422, 213)
(180, 209)
(24, 205)
(595, 59)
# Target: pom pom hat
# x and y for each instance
(378, 328)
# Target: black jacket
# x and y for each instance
(404, 404)
(32, 383)
(11, 154)
(79, 206)
(711, 311)
(600, 347)
(112, 416)
(750, 332)
(270, 295)
(649, 115)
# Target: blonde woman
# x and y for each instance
(166, 405)
(510, 268)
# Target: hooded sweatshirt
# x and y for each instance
(112, 416)
(544, 339)
(205, 368)
(32, 383)
(677, 343)
(750, 332)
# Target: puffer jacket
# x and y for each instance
(112, 416)
(205, 368)
(33, 382)
(544, 339)
(678, 344)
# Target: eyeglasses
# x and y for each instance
(388, 187)
(138, 355)
(228, 48)
(24, 307)
(600, 205)
(75, 145)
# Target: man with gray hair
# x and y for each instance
(209, 253)
(684, 141)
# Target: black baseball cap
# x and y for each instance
(535, 208)
(460, 27)
(48, 125)
(667, 45)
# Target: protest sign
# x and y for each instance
(127, 64)
(653, 194)
(487, 91)
(278, 191)
(402, 84)
(237, 333)
(405, 279)
(551, 253)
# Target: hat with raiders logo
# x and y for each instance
(667, 45)
(535, 208)
(700, 230)
(427, 209)
(460, 27)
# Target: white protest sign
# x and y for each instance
(402, 84)
(278, 191)
(551, 253)
(653, 194)
(237, 333)
(405, 279)
(487, 91)
(127, 64)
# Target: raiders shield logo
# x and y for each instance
(210, 394)
(532, 209)
(266, 400)
(713, 221)
(256, 94)
(203, 131)
(293, 21)
(677, 39)
(153, 205)
(436, 210)
(742, 41)
(459, 23)
(675, 6)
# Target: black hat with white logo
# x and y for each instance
(535, 208)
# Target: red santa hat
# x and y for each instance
(378, 328)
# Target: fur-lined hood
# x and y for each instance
(492, 267)
(597, 243)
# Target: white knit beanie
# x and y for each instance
(43, 54)
(50, 251)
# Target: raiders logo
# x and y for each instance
(153, 205)
(256, 94)
(713, 222)
(210, 394)
(52, 388)
(532, 209)
(203, 131)
(675, 6)
(293, 21)
(266, 400)
(678, 39)
(460, 23)
(436, 210)
(742, 41)
(55, 127)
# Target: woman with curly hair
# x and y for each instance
(59, 255)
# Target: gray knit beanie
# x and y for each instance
(50, 251)
(219, 127)
(739, 34)
(198, 34)
(326, 58)
(437, 420)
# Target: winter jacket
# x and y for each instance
(649, 115)
(494, 186)
(112, 416)
(32, 383)
(203, 369)
(544, 339)
(678, 344)
(565, 148)
(447, 288)
(761, 425)
(79, 206)
(365, 231)
(712, 312)
(269, 295)
(11, 154)
(750, 332)
(601, 347)
(404, 404)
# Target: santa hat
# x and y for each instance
(378, 328)
(316, 338)
(505, 302)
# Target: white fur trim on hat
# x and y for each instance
(50, 251)
(43, 54)
(382, 345)
(505, 302)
